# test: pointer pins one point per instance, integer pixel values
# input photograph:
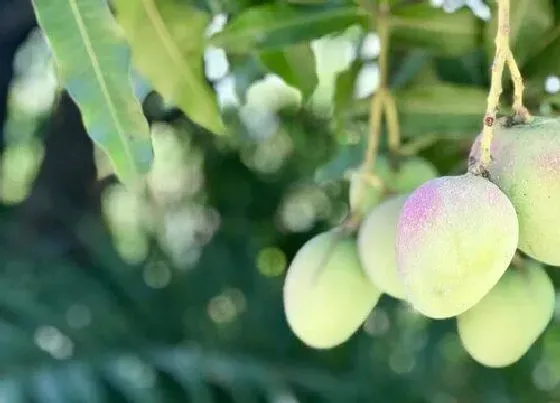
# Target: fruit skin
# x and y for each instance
(456, 236)
(376, 246)
(502, 327)
(526, 166)
(324, 308)
(412, 173)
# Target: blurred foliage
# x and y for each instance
(110, 297)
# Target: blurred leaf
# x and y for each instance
(438, 108)
(345, 87)
(467, 69)
(529, 21)
(295, 64)
(349, 156)
(432, 29)
(415, 62)
(445, 109)
(274, 26)
(246, 68)
(544, 61)
(167, 45)
(94, 66)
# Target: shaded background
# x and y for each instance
(108, 298)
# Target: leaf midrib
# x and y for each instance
(98, 73)
(169, 44)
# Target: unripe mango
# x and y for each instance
(502, 327)
(456, 236)
(327, 296)
(526, 166)
(376, 246)
(412, 173)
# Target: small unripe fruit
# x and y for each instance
(327, 296)
(502, 327)
(411, 174)
(526, 166)
(456, 236)
(376, 246)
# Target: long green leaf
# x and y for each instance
(430, 28)
(295, 64)
(167, 37)
(274, 26)
(529, 21)
(94, 65)
(448, 110)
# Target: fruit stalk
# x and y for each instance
(521, 113)
(502, 57)
(378, 99)
(502, 48)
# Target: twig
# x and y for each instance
(393, 130)
(521, 112)
(502, 56)
(378, 100)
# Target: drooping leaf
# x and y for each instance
(274, 26)
(430, 28)
(529, 21)
(94, 65)
(167, 38)
(295, 64)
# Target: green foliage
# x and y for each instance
(167, 42)
(93, 63)
(273, 26)
(295, 64)
(446, 34)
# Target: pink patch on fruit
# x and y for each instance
(420, 211)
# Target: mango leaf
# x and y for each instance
(295, 65)
(348, 157)
(544, 63)
(274, 26)
(166, 37)
(246, 68)
(426, 27)
(94, 65)
(529, 21)
(413, 63)
(345, 88)
(448, 110)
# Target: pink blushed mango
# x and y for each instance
(526, 166)
(456, 236)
